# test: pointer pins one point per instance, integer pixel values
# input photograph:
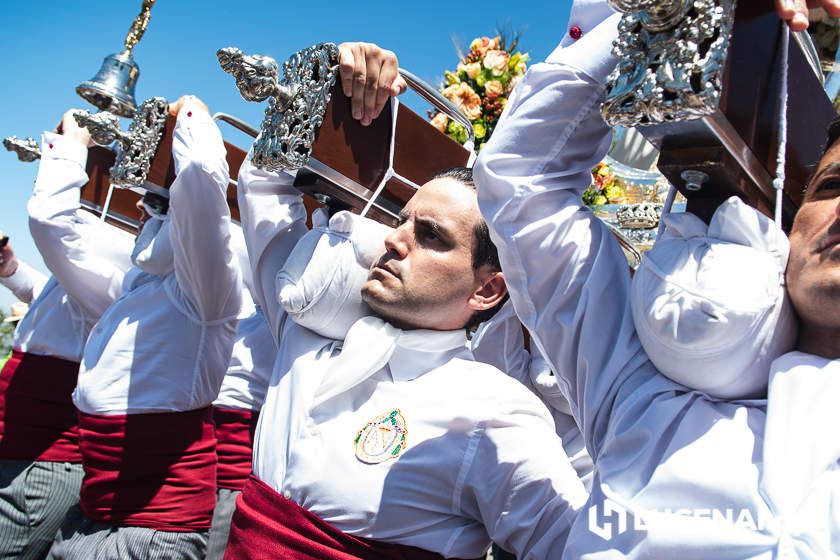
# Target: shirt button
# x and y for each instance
(287, 494)
(314, 432)
(575, 32)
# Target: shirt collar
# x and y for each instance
(420, 351)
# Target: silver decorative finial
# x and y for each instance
(26, 148)
(104, 127)
(139, 143)
(296, 104)
(256, 76)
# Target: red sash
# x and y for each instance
(235, 445)
(154, 470)
(37, 416)
(266, 525)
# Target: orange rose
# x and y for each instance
(481, 45)
(472, 69)
(439, 121)
(465, 98)
(493, 89)
(496, 61)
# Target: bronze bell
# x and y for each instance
(112, 88)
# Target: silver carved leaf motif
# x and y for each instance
(26, 148)
(140, 144)
(296, 105)
(671, 55)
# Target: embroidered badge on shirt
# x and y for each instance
(382, 438)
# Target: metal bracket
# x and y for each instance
(671, 55)
(296, 107)
(139, 144)
(26, 148)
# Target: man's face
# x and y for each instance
(426, 279)
(813, 273)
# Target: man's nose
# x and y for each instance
(397, 241)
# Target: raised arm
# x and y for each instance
(205, 266)
(273, 220)
(23, 280)
(272, 211)
(64, 234)
(567, 277)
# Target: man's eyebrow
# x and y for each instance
(433, 225)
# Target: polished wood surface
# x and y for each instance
(122, 211)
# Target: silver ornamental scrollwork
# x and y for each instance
(26, 148)
(671, 56)
(139, 143)
(296, 105)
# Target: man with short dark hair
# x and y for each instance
(678, 473)
(394, 442)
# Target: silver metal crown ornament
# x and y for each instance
(112, 88)
(671, 60)
(296, 104)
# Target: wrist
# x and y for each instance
(10, 269)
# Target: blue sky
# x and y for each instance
(51, 46)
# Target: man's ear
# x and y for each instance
(491, 290)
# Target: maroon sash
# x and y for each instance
(266, 525)
(154, 470)
(235, 445)
(37, 416)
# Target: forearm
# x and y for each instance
(25, 282)
(273, 220)
(62, 234)
(205, 266)
(567, 277)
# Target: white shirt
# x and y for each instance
(770, 465)
(251, 362)
(500, 342)
(481, 460)
(87, 256)
(164, 343)
(53, 326)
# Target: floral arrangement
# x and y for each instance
(606, 188)
(825, 32)
(480, 87)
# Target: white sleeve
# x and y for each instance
(567, 276)
(61, 234)
(520, 483)
(205, 266)
(273, 220)
(26, 282)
